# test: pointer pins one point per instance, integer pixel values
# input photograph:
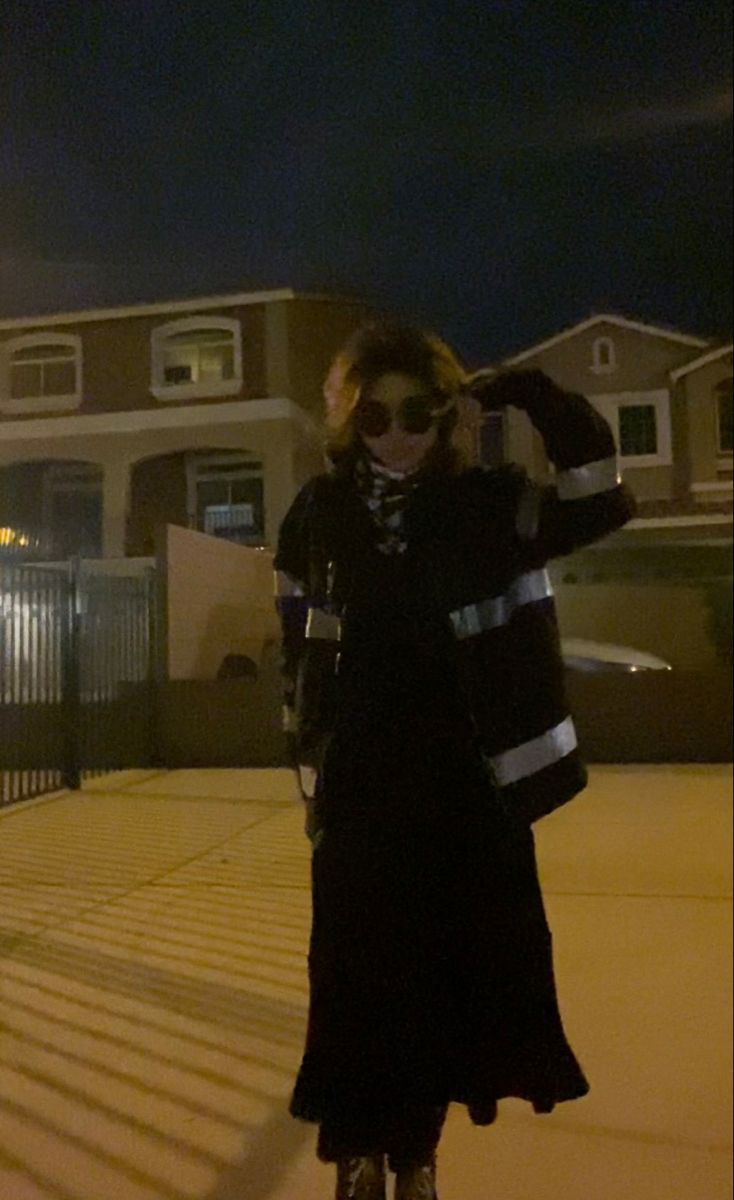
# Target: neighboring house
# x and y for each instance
(668, 398)
(207, 413)
(662, 584)
(204, 413)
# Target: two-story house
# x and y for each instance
(203, 413)
(663, 583)
(207, 413)
(668, 398)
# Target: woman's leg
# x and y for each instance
(338, 1140)
(414, 1139)
(409, 1138)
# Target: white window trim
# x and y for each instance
(721, 485)
(193, 391)
(609, 406)
(599, 367)
(725, 456)
(39, 404)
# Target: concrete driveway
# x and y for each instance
(153, 995)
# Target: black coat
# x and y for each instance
(480, 541)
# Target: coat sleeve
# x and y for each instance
(587, 499)
(291, 565)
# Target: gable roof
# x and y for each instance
(683, 339)
(702, 361)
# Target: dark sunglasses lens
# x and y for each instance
(417, 415)
(372, 418)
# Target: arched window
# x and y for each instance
(725, 416)
(41, 372)
(604, 356)
(197, 356)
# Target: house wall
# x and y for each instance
(643, 360)
(643, 364)
(317, 329)
(116, 359)
(158, 497)
(702, 421)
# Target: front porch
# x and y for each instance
(101, 485)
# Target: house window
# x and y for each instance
(226, 497)
(604, 356)
(41, 372)
(492, 440)
(199, 356)
(725, 416)
(638, 430)
(72, 509)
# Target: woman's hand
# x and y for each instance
(509, 387)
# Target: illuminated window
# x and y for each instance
(41, 372)
(198, 356)
(725, 416)
(226, 496)
(638, 430)
(604, 356)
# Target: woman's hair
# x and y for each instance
(378, 349)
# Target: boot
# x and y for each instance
(417, 1183)
(361, 1178)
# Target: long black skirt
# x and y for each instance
(430, 961)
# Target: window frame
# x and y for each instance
(644, 407)
(69, 477)
(724, 455)
(61, 402)
(231, 466)
(194, 389)
(610, 405)
(599, 367)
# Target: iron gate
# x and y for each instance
(77, 675)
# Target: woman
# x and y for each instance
(425, 699)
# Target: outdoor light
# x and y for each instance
(10, 537)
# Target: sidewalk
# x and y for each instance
(153, 995)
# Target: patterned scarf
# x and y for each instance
(386, 494)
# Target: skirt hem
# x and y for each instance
(481, 1112)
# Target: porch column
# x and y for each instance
(116, 501)
(281, 475)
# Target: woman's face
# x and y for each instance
(397, 449)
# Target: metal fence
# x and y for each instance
(77, 670)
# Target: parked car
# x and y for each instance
(582, 655)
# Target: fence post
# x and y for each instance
(71, 700)
(152, 579)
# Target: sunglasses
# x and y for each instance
(415, 414)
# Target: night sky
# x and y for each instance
(497, 170)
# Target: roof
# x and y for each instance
(161, 307)
(702, 361)
(684, 339)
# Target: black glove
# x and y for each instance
(519, 388)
